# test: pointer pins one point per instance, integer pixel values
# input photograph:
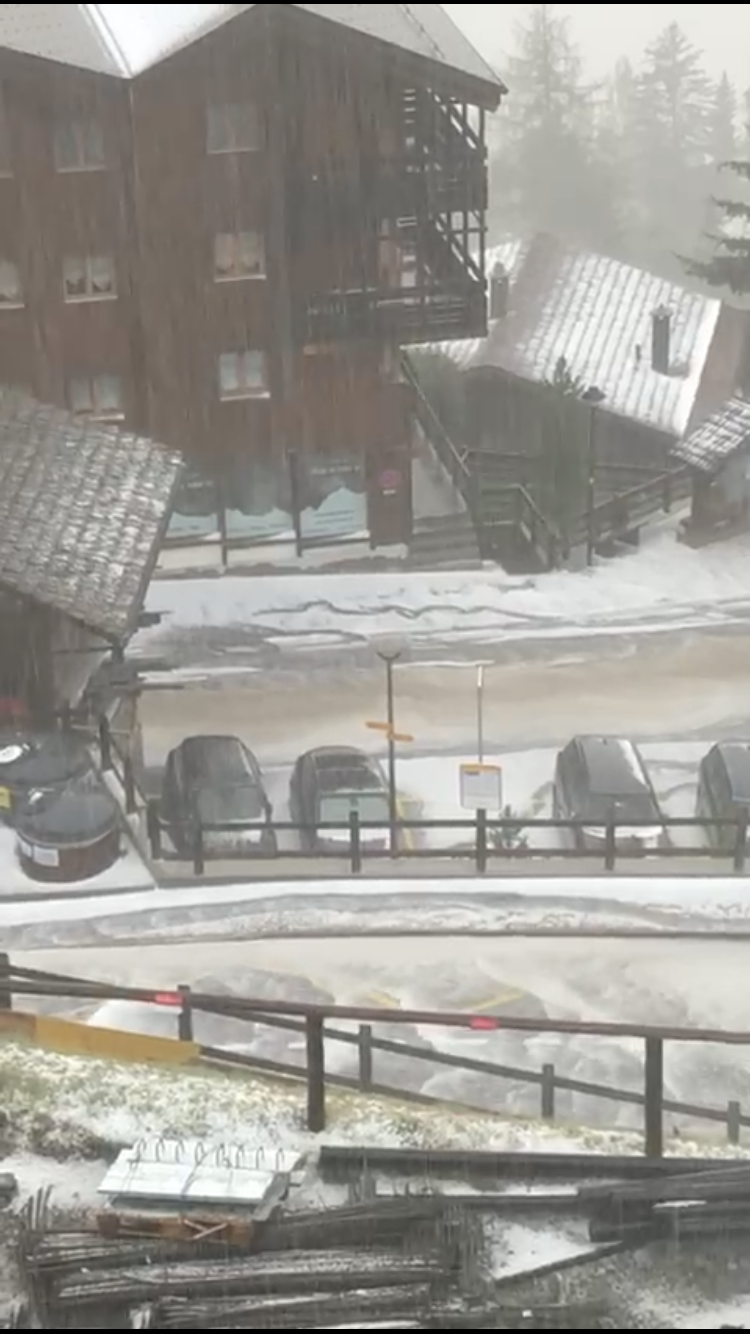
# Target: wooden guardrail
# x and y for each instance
(322, 1024)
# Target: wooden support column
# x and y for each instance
(316, 1074)
(654, 1091)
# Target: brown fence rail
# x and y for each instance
(314, 1023)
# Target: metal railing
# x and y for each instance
(323, 1024)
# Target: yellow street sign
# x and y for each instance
(402, 737)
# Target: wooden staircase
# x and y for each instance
(446, 542)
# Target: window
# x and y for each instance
(89, 279)
(79, 146)
(97, 396)
(234, 127)
(239, 255)
(243, 375)
(11, 291)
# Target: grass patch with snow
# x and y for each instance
(84, 1101)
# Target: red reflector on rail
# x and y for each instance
(170, 998)
(484, 1025)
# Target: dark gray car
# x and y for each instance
(603, 778)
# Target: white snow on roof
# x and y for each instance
(596, 313)
(125, 40)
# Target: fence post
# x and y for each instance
(548, 1092)
(654, 1098)
(482, 842)
(199, 851)
(365, 1058)
(610, 843)
(740, 847)
(153, 829)
(185, 1019)
(734, 1122)
(355, 842)
(105, 744)
(6, 994)
(131, 801)
(316, 1074)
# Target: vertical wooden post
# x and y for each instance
(105, 744)
(131, 796)
(548, 1093)
(734, 1122)
(610, 842)
(6, 995)
(153, 826)
(365, 1058)
(654, 1098)
(482, 842)
(199, 851)
(740, 847)
(316, 1074)
(185, 1020)
(355, 841)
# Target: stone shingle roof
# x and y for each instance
(126, 40)
(717, 440)
(83, 509)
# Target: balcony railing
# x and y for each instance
(405, 315)
(391, 189)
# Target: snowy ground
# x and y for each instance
(663, 584)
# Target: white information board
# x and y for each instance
(482, 787)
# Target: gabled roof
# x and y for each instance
(597, 314)
(722, 435)
(83, 509)
(126, 40)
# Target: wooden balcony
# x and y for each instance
(397, 188)
(406, 316)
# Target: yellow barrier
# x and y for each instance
(71, 1038)
(15, 1023)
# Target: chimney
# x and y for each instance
(499, 292)
(661, 340)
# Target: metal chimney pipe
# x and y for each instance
(661, 340)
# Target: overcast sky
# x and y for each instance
(607, 32)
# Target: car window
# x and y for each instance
(337, 807)
(719, 780)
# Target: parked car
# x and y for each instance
(216, 780)
(33, 763)
(724, 790)
(327, 785)
(597, 778)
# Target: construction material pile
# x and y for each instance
(392, 1261)
(701, 1205)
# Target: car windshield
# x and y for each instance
(337, 807)
(635, 806)
(235, 804)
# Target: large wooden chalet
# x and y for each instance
(219, 227)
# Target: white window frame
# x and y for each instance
(9, 268)
(87, 265)
(224, 128)
(247, 385)
(95, 411)
(79, 129)
(238, 242)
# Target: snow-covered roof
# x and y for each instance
(597, 314)
(510, 254)
(125, 40)
(83, 509)
(716, 440)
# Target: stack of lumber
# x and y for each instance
(706, 1204)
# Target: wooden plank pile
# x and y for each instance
(705, 1204)
(391, 1261)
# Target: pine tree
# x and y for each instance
(548, 174)
(722, 127)
(729, 266)
(671, 133)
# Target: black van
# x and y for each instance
(724, 790)
(597, 778)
